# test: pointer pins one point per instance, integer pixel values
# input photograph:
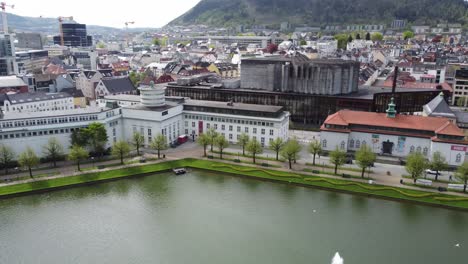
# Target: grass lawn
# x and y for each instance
(260, 173)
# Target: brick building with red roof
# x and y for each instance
(392, 134)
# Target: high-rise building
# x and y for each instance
(74, 35)
(8, 64)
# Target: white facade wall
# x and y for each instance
(35, 131)
(151, 123)
(402, 145)
(232, 126)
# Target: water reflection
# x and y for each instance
(411, 212)
(360, 203)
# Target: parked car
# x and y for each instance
(429, 171)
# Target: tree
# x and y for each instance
(203, 140)
(291, 151)
(342, 40)
(460, 102)
(315, 148)
(377, 36)
(365, 157)
(212, 135)
(358, 36)
(53, 150)
(408, 34)
(6, 156)
(28, 159)
(438, 163)
(337, 158)
(254, 147)
(138, 140)
(272, 48)
(100, 45)
(462, 174)
(120, 149)
(96, 137)
(350, 38)
(222, 143)
(303, 42)
(78, 138)
(276, 146)
(77, 154)
(368, 36)
(159, 143)
(415, 165)
(156, 42)
(243, 140)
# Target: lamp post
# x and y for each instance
(92, 160)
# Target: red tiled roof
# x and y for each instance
(438, 125)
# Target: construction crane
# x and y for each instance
(126, 30)
(128, 23)
(60, 19)
(4, 5)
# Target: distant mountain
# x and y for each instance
(323, 12)
(47, 25)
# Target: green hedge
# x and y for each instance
(291, 177)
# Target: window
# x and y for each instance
(425, 150)
(263, 131)
(186, 124)
(238, 129)
(272, 132)
(324, 143)
(223, 127)
(262, 140)
(364, 143)
(254, 130)
(458, 159)
(149, 132)
(230, 136)
(358, 144)
(246, 130)
(207, 125)
(215, 126)
(193, 124)
(418, 149)
(342, 146)
(351, 143)
(411, 150)
(230, 128)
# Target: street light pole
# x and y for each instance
(92, 159)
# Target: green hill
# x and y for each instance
(323, 12)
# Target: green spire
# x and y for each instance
(391, 112)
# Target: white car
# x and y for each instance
(429, 171)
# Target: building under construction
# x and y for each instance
(73, 35)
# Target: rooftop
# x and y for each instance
(438, 125)
(234, 106)
(69, 112)
(22, 98)
(11, 81)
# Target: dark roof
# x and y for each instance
(73, 92)
(34, 97)
(438, 107)
(461, 74)
(118, 85)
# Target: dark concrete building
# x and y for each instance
(298, 74)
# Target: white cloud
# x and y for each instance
(115, 13)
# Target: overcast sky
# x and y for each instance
(145, 13)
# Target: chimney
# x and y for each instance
(395, 79)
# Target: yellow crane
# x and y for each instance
(61, 19)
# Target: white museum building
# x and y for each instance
(395, 135)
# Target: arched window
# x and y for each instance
(425, 150)
(351, 143)
(458, 159)
(358, 144)
(364, 143)
(411, 150)
(342, 145)
(418, 149)
(324, 143)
